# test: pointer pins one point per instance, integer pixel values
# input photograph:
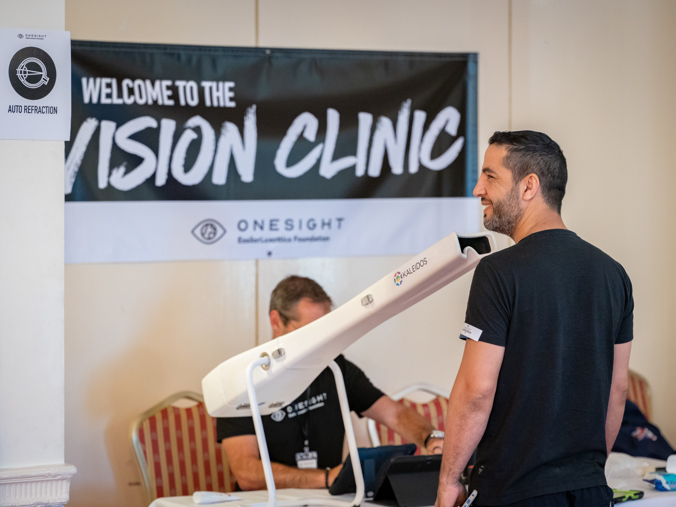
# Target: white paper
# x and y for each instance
(35, 93)
(208, 497)
(471, 332)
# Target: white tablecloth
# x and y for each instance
(251, 497)
(622, 471)
(652, 498)
(625, 472)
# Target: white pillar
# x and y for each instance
(32, 469)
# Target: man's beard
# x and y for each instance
(506, 213)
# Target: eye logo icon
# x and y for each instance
(398, 279)
(278, 416)
(32, 73)
(208, 231)
(27, 73)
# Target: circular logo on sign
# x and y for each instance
(208, 231)
(397, 278)
(20, 36)
(32, 73)
(278, 416)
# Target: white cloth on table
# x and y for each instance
(626, 472)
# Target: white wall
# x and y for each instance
(599, 78)
(31, 280)
(138, 332)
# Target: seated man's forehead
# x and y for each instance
(307, 308)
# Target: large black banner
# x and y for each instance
(189, 123)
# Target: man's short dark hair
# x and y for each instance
(534, 152)
(291, 290)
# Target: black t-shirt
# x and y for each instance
(558, 305)
(313, 416)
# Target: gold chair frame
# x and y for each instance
(136, 443)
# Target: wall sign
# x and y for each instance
(187, 152)
(35, 88)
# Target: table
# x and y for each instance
(252, 497)
(622, 471)
(626, 472)
(652, 498)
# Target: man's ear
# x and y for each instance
(531, 187)
(276, 323)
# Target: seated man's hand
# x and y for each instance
(333, 473)
(435, 446)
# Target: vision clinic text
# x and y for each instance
(216, 147)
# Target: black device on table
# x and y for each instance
(393, 473)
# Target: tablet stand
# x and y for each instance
(265, 455)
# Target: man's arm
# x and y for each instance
(405, 421)
(247, 467)
(469, 406)
(618, 393)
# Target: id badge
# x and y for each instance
(306, 459)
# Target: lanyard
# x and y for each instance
(305, 423)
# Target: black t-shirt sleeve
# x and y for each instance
(227, 427)
(626, 332)
(488, 310)
(361, 393)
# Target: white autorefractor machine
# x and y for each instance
(272, 375)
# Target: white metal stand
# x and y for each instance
(265, 455)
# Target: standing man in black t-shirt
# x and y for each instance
(305, 439)
(541, 388)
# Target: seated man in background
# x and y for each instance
(305, 439)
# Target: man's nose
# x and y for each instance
(479, 189)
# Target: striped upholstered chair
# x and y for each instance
(433, 410)
(640, 394)
(175, 444)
